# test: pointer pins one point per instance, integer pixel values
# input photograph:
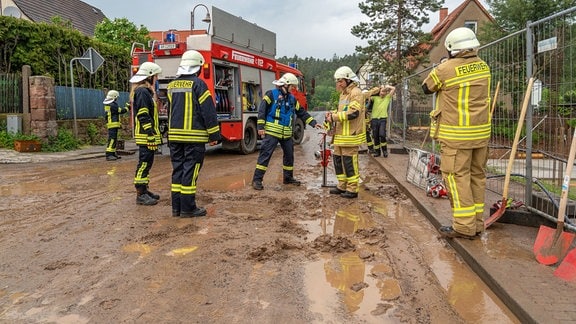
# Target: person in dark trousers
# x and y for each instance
(379, 120)
(275, 120)
(192, 123)
(113, 113)
(146, 131)
(461, 122)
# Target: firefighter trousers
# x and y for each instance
(187, 160)
(112, 141)
(464, 174)
(145, 162)
(267, 148)
(346, 168)
(378, 126)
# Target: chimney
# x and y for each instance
(443, 14)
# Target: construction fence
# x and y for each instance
(545, 51)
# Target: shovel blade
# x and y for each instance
(567, 269)
(551, 244)
(494, 217)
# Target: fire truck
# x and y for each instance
(240, 67)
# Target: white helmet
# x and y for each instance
(147, 69)
(286, 79)
(111, 96)
(345, 72)
(192, 58)
(461, 38)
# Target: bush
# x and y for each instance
(7, 139)
(64, 141)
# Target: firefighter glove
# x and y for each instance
(152, 146)
(127, 106)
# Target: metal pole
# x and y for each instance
(73, 98)
(529, 122)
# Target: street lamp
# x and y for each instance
(206, 19)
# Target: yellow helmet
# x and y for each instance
(461, 38)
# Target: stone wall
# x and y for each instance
(42, 107)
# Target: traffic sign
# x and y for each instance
(91, 60)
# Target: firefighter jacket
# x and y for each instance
(462, 114)
(276, 114)
(193, 117)
(145, 115)
(113, 113)
(349, 118)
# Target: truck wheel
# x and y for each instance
(248, 143)
(298, 131)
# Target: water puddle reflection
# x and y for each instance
(369, 291)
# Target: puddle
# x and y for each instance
(329, 281)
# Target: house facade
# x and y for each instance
(84, 17)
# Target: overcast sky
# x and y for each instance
(307, 28)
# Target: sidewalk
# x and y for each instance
(502, 257)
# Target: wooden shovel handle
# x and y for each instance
(516, 139)
(566, 183)
(494, 100)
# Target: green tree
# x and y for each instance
(121, 32)
(392, 33)
(512, 15)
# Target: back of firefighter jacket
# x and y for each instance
(193, 117)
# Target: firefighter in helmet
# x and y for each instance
(275, 119)
(146, 130)
(113, 113)
(350, 132)
(461, 123)
(192, 123)
(381, 102)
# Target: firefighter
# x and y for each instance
(146, 130)
(113, 113)
(349, 133)
(461, 123)
(276, 114)
(193, 123)
(379, 119)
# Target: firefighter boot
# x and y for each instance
(349, 195)
(376, 153)
(197, 212)
(385, 152)
(151, 194)
(257, 185)
(337, 191)
(142, 198)
(292, 181)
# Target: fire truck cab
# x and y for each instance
(239, 68)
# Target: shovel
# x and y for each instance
(551, 244)
(567, 269)
(498, 213)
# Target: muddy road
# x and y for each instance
(75, 248)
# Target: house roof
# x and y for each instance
(83, 16)
(443, 26)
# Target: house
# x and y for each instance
(83, 16)
(470, 13)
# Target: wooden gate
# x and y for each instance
(10, 93)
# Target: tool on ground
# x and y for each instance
(494, 100)
(551, 244)
(500, 211)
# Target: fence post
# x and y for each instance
(26, 119)
(529, 72)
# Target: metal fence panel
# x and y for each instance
(88, 102)
(546, 51)
(11, 93)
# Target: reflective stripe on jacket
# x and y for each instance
(193, 117)
(145, 115)
(462, 114)
(350, 125)
(113, 113)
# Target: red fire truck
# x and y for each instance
(239, 68)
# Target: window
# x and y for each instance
(471, 24)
